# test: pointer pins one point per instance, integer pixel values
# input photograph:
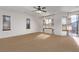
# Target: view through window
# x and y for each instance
(74, 24)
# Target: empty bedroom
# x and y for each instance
(39, 28)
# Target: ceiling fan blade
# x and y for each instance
(49, 15)
(35, 7)
(34, 10)
(43, 10)
(43, 7)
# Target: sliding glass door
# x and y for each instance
(75, 24)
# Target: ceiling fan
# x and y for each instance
(39, 9)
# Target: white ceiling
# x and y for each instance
(50, 9)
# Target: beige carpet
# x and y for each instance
(38, 42)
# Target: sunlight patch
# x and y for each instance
(76, 40)
(42, 36)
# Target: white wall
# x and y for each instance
(18, 24)
(58, 24)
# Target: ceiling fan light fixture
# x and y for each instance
(38, 11)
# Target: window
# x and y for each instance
(74, 24)
(6, 23)
(64, 24)
(47, 23)
(48, 26)
(28, 23)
